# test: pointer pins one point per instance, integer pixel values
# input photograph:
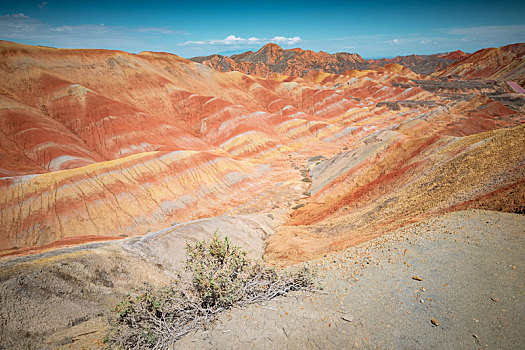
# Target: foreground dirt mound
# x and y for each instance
(51, 298)
(462, 270)
(455, 282)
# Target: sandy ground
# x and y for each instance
(464, 270)
(469, 277)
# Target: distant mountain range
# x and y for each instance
(422, 64)
(271, 58)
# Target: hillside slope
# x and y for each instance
(506, 62)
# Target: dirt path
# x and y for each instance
(471, 270)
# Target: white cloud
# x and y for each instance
(19, 27)
(161, 30)
(231, 40)
(396, 41)
(506, 33)
(16, 15)
(286, 41)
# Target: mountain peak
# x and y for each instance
(455, 55)
(271, 47)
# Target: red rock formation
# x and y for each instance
(103, 129)
(98, 143)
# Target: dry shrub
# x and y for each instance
(216, 276)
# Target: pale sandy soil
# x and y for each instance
(470, 264)
(471, 268)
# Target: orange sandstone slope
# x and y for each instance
(67, 108)
(99, 143)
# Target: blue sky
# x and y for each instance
(194, 28)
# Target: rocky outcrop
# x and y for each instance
(455, 55)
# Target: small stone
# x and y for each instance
(423, 289)
(347, 318)
(475, 336)
(434, 322)
(417, 278)
(494, 299)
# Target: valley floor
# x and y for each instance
(471, 268)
